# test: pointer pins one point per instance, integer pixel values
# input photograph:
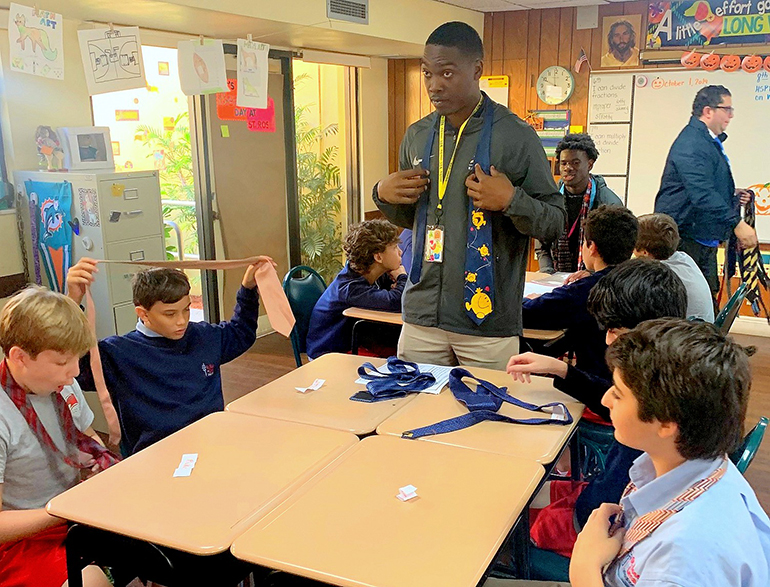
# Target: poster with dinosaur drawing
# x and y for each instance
(202, 67)
(35, 39)
(112, 59)
(252, 74)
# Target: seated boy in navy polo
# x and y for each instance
(366, 281)
(166, 374)
(688, 518)
(637, 290)
(609, 239)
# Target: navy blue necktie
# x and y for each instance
(484, 403)
(397, 380)
(479, 269)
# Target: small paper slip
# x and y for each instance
(407, 492)
(315, 386)
(440, 372)
(186, 465)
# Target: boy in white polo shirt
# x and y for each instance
(45, 434)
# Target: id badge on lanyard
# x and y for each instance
(434, 243)
(434, 233)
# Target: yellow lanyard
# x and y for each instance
(443, 182)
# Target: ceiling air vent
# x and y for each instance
(350, 10)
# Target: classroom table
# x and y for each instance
(346, 526)
(540, 443)
(245, 467)
(363, 315)
(330, 406)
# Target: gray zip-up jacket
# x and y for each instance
(537, 210)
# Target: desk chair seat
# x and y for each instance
(750, 445)
(593, 443)
(729, 313)
(303, 293)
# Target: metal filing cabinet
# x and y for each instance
(121, 218)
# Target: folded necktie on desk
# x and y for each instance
(484, 403)
(398, 379)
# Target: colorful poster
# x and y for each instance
(707, 22)
(112, 59)
(252, 74)
(202, 67)
(35, 40)
(52, 203)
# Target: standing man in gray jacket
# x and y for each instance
(474, 185)
(583, 192)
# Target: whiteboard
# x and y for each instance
(662, 107)
(612, 143)
(610, 97)
(617, 185)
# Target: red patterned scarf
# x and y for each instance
(645, 525)
(73, 437)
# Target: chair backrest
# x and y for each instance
(750, 445)
(729, 313)
(303, 293)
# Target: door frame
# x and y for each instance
(205, 186)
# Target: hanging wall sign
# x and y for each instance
(112, 59)
(202, 67)
(35, 41)
(707, 22)
(252, 74)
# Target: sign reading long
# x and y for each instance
(707, 22)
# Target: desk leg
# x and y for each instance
(74, 560)
(355, 342)
(521, 544)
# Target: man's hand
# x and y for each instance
(576, 276)
(492, 192)
(403, 187)
(521, 366)
(595, 547)
(249, 277)
(396, 272)
(747, 236)
(744, 195)
(79, 277)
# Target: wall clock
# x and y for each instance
(555, 85)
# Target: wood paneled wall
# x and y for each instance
(519, 44)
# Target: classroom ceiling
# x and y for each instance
(504, 5)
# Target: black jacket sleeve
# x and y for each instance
(587, 389)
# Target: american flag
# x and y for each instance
(582, 58)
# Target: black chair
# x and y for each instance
(303, 293)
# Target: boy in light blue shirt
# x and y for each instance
(688, 518)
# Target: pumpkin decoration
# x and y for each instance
(751, 63)
(709, 62)
(761, 198)
(767, 63)
(730, 63)
(690, 60)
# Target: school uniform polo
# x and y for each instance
(722, 538)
